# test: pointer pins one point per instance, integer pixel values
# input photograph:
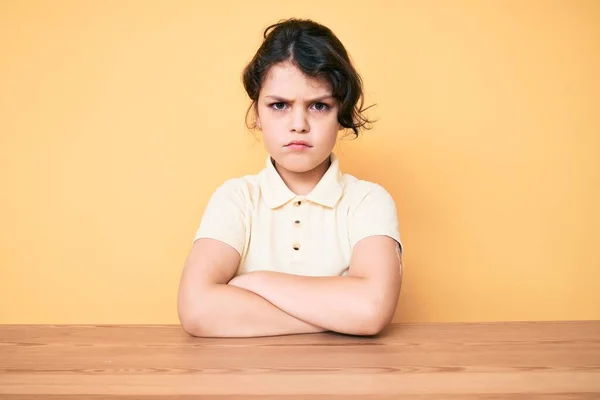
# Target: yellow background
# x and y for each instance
(119, 118)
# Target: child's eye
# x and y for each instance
(278, 106)
(321, 107)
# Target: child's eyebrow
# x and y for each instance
(278, 98)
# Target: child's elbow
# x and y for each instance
(189, 322)
(374, 325)
(193, 319)
(374, 321)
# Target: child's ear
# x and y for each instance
(257, 117)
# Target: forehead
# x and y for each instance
(286, 79)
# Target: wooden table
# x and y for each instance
(559, 360)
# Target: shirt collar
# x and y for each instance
(276, 193)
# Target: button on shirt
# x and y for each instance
(274, 229)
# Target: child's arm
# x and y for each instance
(362, 303)
(208, 307)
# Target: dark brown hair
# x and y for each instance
(318, 53)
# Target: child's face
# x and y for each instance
(293, 107)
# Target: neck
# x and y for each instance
(302, 183)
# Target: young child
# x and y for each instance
(299, 247)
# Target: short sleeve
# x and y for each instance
(375, 214)
(224, 217)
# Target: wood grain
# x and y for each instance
(528, 360)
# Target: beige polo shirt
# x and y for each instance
(313, 235)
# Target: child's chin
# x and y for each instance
(299, 162)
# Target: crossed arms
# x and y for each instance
(213, 303)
